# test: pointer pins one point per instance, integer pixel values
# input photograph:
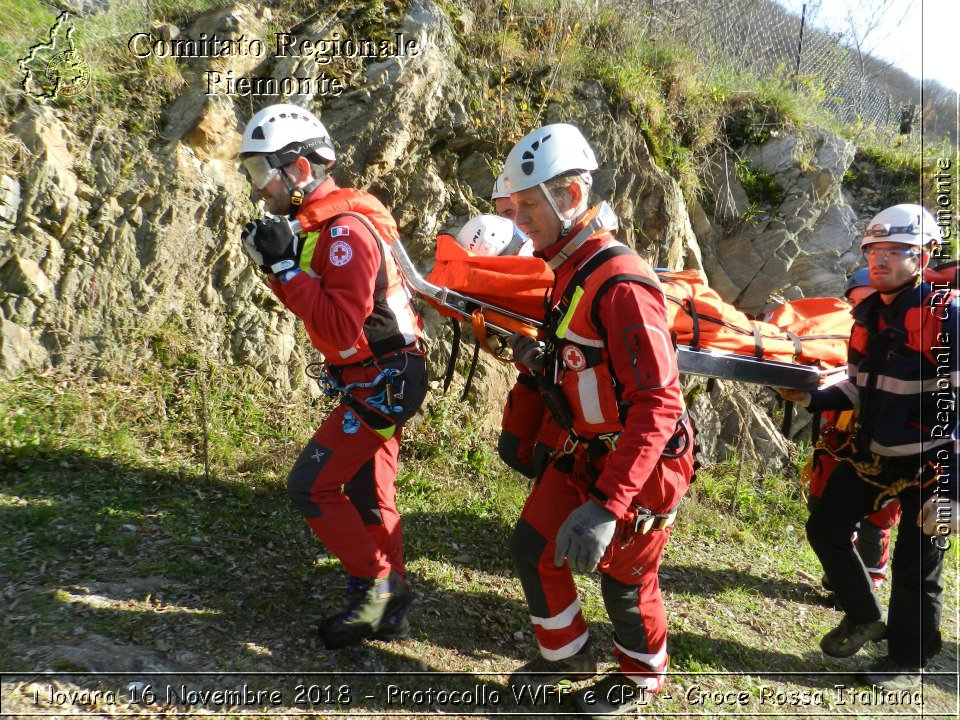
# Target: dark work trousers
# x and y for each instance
(913, 620)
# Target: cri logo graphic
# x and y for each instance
(340, 253)
(574, 358)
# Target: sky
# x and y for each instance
(918, 36)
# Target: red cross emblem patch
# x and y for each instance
(574, 358)
(340, 253)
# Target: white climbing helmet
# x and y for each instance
(546, 153)
(908, 224)
(543, 155)
(492, 235)
(499, 189)
(285, 132)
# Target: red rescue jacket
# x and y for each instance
(617, 367)
(351, 296)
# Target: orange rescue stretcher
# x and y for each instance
(803, 346)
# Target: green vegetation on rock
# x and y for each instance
(760, 186)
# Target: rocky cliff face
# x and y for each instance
(804, 246)
(103, 243)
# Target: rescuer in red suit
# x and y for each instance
(608, 373)
(337, 274)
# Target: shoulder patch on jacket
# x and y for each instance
(340, 253)
(339, 231)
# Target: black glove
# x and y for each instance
(528, 351)
(246, 235)
(275, 240)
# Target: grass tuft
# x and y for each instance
(760, 186)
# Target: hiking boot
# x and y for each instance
(846, 639)
(891, 676)
(368, 602)
(613, 696)
(541, 672)
(399, 630)
(395, 625)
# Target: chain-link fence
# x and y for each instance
(763, 38)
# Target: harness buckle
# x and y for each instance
(610, 440)
(647, 521)
(643, 522)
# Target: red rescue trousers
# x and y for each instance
(343, 482)
(629, 581)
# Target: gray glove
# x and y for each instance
(528, 351)
(584, 536)
(247, 236)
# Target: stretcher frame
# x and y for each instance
(692, 361)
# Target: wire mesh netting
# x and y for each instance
(763, 38)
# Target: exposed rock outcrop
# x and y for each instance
(735, 419)
(802, 248)
(9, 201)
(107, 238)
(19, 350)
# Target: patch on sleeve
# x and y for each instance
(340, 253)
(339, 231)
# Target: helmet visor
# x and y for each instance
(517, 240)
(871, 252)
(258, 171)
(519, 236)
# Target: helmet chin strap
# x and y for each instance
(603, 219)
(297, 194)
(565, 223)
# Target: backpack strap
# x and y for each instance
(559, 316)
